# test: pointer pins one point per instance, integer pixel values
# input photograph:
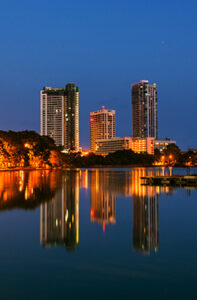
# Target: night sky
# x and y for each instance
(103, 46)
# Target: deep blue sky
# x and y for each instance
(104, 46)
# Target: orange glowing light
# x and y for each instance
(92, 213)
(103, 226)
(85, 153)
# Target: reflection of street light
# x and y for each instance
(162, 159)
(170, 158)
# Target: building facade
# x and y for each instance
(143, 145)
(102, 126)
(59, 115)
(161, 145)
(112, 145)
(144, 110)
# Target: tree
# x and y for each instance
(172, 153)
(157, 155)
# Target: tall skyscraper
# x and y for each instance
(59, 115)
(72, 116)
(102, 126)
(144, 110)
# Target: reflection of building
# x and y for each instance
(107, 185)
(59, 219)
(84, 179)
(114, 144)
(59, 115)
(145, 223)
(102, 202)
(102, 126)
(144, 110)
(145, 215)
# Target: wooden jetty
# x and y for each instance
(174, 180)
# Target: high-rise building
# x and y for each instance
(59, 115)
(72, 116)
(102, 126)
(144, 110)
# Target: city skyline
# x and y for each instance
(99, 46)
(63, 105)
(59, 119)
(98, 149)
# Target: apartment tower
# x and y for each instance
(144, 110)
(102, 126)
(59, 115)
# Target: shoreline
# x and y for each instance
(90, 167)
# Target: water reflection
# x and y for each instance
(57, 193)
(19, 189)
(106, 186)
(59, 218)
(145, 215)
(146, 211)
(102, 198)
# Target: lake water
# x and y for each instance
(96, 234)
